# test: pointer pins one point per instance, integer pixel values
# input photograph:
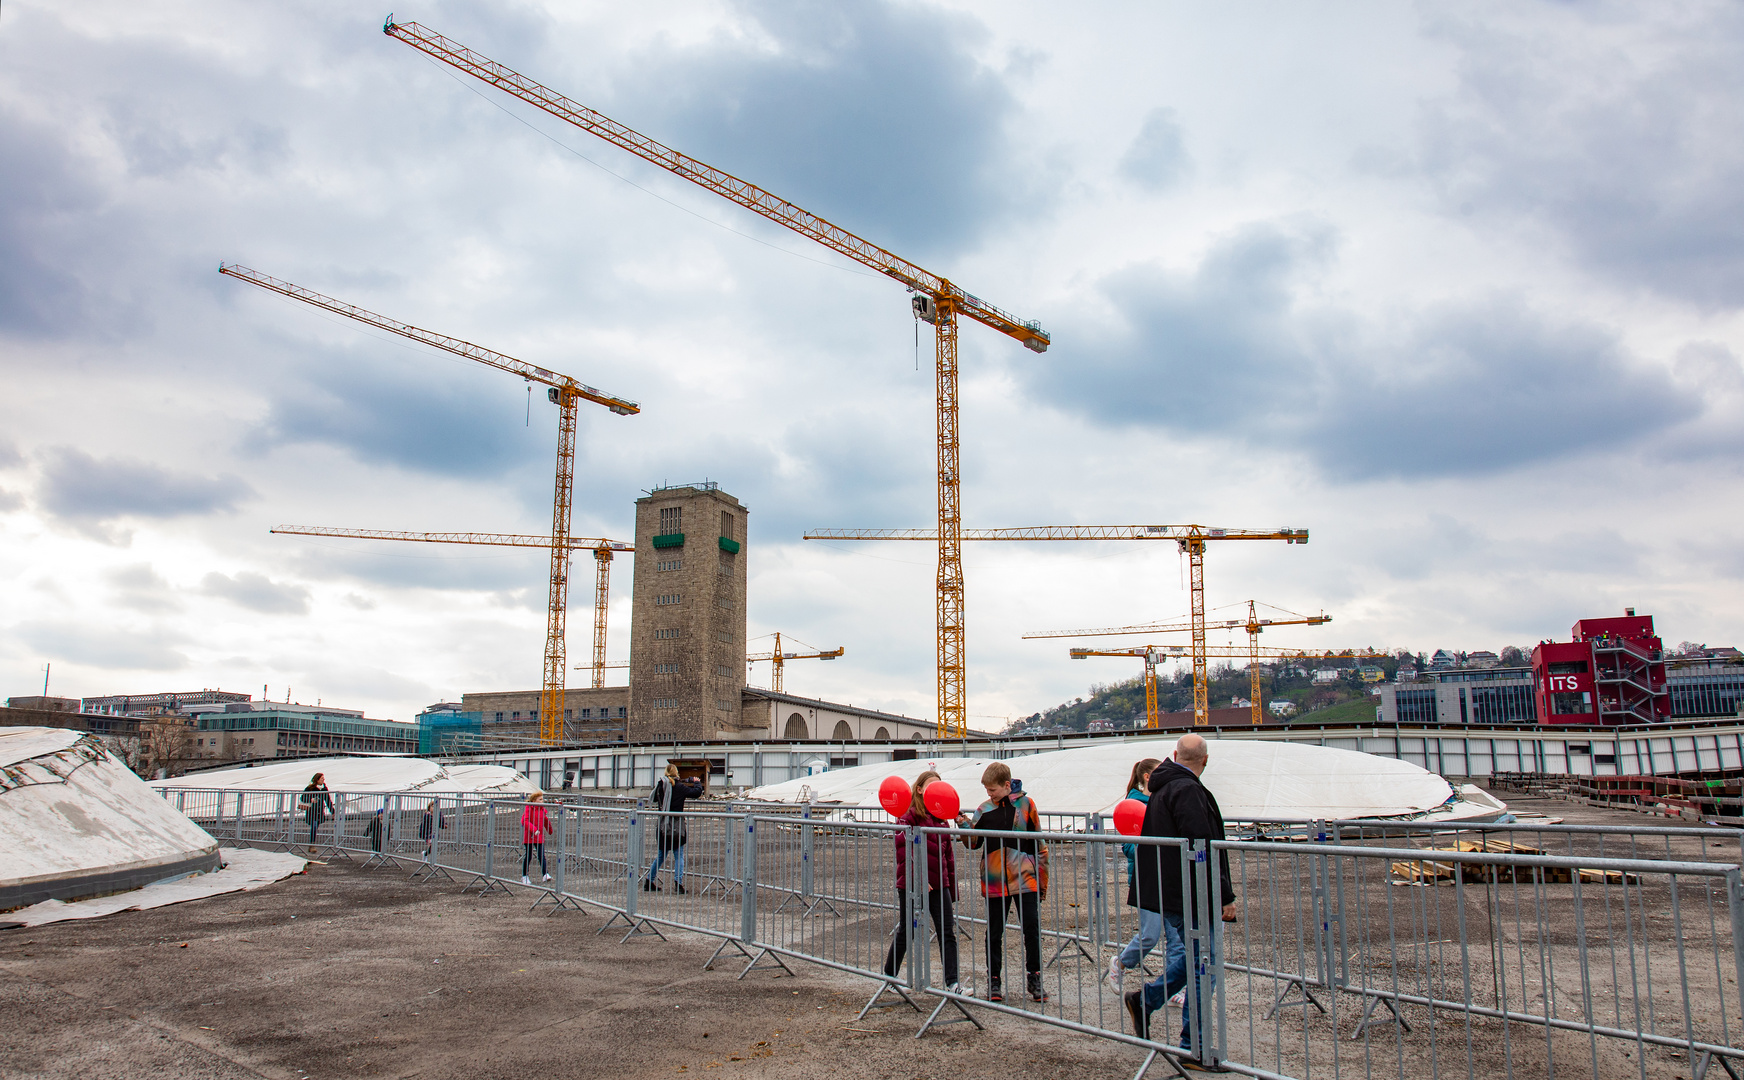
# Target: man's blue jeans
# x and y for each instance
(1150, 931)
(1175, 969)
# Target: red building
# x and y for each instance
(1613, 672)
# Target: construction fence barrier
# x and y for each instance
(1388, 948)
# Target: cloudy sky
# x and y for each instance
(1460, 287)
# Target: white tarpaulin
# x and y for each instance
(244, 870)
(1253, 781)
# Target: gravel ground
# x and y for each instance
(343, 972)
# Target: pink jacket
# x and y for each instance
(941, 860)
(534, 824)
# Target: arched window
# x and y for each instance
(882, 733)
(843, 732)
(795, 728)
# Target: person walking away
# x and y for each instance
(535, 827)
(433, 820)
(1150, 923)
(669, 796)
(1013, 872)
(375, 829)
(1180, 806)
(317, 806)
(941, 883)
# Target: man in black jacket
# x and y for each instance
(1181, 807)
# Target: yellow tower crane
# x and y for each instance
(936, 299)
(1154, 654)
(602, 554)
(562, 391)
(1191, 538)
(777, 658)
(1253, 624)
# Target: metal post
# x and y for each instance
(748, 882)
(490, 844)
(1735, 907)
(805, 850)
(914, 902)
(562, 844)
(1098, 871)
(633, 860)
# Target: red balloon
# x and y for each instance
(941, 800)
(1129, 817)
(893, 795)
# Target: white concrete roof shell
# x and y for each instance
(70, 810)
(359, 774)
(1253, 781)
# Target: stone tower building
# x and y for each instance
(687, 621)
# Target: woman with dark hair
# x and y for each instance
(941, 883)
(317, 806)
(1150, 923)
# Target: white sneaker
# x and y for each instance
(1116, 973)
(524, 880)
(547, 877)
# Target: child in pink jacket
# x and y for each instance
(535, 827)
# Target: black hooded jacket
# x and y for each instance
(1180, 806)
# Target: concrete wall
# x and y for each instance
(786, 717)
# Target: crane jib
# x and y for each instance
(722, 183)
(457, 346)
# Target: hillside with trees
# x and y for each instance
(1122, 704)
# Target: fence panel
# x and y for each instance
(1355, 947)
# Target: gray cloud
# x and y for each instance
(1462, 389)
(877, 116)
(81, 489)
(1157, 159)
(257, 593)
(45, 189)
(420, 566)
(1632, 160)
(10, 454)
(10, 501)
(141, 588)
(101, 646)
(438, 422)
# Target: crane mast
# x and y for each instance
(1253, 624)
(778, 660)
(601, 547)
(937, 301)
(1190, 538)
(564, 392)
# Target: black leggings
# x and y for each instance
(527, 857)
(1029, 914)
(944, 921)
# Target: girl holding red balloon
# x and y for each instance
(929, 804)
(1129, 820)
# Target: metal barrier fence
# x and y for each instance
(1383, 948)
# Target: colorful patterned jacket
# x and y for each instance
(1010, 866)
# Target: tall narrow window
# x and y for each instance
(671, 519)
